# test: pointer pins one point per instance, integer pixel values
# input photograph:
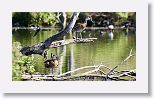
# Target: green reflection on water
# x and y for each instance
(109, 52)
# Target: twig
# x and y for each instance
(102, 72)
(123, 74)
(95, 70)
(87, 75)
(85, 67)
(130, 55)
(76, 70)
(111, 69)
(127, 73)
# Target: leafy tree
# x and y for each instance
(21, 64)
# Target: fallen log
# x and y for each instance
(70, 41)
(91, 74)
(39, 48)
(87, 76)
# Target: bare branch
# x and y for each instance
(130, 55)
(39, 48)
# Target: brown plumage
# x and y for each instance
(79, 27)
(52, 62)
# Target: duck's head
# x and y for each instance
(111, 27)
(53, 56)
(88, 18)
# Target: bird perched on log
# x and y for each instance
(79, 27)
(35, 28)
(52, 62)
(110, 34)
(62, 19)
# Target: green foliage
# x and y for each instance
(47, 19)
(21, 18)
(126, 16)
(43, 18)
(69, 14)
(35, 18)
(123, 14)
(21, 64)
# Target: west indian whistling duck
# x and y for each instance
(52, 62)
(126, 26)
(79, 27)
(35, 28)
(110, 33)
(102, 33)
(62, 19)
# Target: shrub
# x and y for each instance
(21, 64)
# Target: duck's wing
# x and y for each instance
(48, 60)
(78, 27)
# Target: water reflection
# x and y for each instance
(72, 56)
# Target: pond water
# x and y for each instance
(72, 56)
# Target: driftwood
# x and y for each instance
(83, 77)
(70, 41)
(39, 48)
(95, 73)
(130, 55)
(85, 67)
(130, 73)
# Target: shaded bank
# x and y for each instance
(48, 19)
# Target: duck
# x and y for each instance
(102, 33)
(35, 28)
(126, 26)
(52, 62)
(62, 19)
(110, 33)
(79, 27)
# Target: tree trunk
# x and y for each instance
(39, 48)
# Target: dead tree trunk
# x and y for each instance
(39, 48)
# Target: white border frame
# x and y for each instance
(138, 86)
